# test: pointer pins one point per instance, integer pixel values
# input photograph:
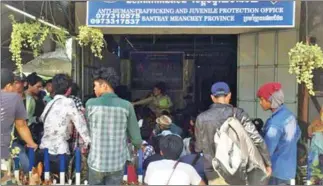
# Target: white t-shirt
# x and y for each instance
(159, 172)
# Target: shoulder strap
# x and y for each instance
(171, 175)
(197, 157)
(49, 110)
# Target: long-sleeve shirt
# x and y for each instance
(281, 134)
(111, 120)
(58, 125)
(157, 103)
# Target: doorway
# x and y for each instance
(218, 65)
(214, 58)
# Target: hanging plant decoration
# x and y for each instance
(31, 35)
(93, 37)
(303, 59)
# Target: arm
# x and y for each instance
(79, 122)
(21, 124)
(24, 132)
(202, 183)
(195, 177)
(256, 138)
(198, 135)
(133, 128)
(144, 101)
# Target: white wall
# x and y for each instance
(262, 58)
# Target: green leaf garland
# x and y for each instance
(303, 59)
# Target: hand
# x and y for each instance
(34, 146)
(269, 171)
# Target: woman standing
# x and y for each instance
(158, 101)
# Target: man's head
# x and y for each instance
(34, 83)
(20, 80)
(49, 86)
(164, 122)
(271, 96)
(220, 93)
(7, 80)
(61, 84)
(171, 147)
(105, 81)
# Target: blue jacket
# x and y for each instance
(281, 134)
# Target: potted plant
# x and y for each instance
(303, 59)
(91, 37)
(33, 34)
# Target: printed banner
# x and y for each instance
(191, 14)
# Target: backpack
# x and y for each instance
(229, 161)
(237, 160)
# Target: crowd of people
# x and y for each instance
(199, 149)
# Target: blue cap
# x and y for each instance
(220, 89)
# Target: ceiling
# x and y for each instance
(55, 12)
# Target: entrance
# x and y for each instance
(210, 58)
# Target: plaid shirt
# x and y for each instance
(110, 120)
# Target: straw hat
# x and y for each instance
(164, 120)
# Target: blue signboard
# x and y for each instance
(191, 14)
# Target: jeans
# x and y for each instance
(105, 178)
(277, 181)
(23, 157)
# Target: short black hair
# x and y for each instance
(109, 75)
(171, 146)
(75, 89)
(48, 81)
(7, 77)
(61, 83)
(161, 86)
(33, 79)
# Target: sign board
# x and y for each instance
(149, 68)
(186, 14)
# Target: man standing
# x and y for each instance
(12, 112)
(57, 117)
(110, 119)
(281, 133)
(209, 121)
